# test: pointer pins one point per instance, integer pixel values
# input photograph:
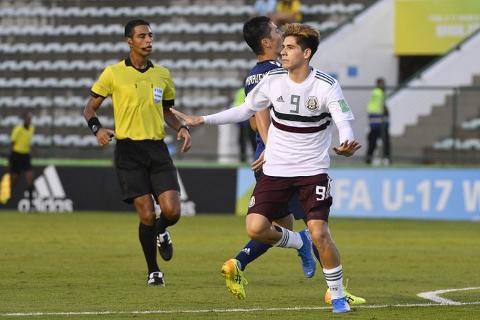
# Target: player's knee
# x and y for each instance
(255, 233)
(172, 212)
(147, 218)
(321, 238)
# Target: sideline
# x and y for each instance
(408, 305)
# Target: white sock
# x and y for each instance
(334, 278)
(289, 239)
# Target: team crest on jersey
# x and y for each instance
(252, 202)
(312, 103)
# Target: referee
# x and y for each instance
(142, 94)
(20, 160)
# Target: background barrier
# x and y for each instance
(413, 193)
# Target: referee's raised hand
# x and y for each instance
(192, 121)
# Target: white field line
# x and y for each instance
(434, 295)
(77, 313)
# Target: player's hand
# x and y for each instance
(257, 164)
(185, 135)
(347, 149)
(192, 121)
(104, 136)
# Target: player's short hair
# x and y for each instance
(132, 24)
(254, 30)
(306, 36)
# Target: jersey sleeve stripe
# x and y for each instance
(329, 77)
(319, 77)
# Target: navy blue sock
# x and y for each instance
(251, 251)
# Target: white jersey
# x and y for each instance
(300, 135)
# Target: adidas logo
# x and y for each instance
(280, 99)
(49, 195)
(247, 251)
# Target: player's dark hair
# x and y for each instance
(254, 30)
(306, 36)
(132, 24)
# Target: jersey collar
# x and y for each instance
(128, 63)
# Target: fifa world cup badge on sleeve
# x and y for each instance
(157, 95)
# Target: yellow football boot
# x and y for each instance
(351, 299)
(234, 278)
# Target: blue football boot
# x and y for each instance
(305, 252)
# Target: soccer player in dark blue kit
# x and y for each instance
(265, 40)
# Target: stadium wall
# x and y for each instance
(413, 193)
(362, 50)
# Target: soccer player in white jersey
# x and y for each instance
(304, 102)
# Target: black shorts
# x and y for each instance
(19, 162)
(271, 194)
(144, 167)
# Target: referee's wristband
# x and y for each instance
(184, 127)
(94, 125)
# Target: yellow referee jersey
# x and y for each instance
(21, 138)
(138, 98)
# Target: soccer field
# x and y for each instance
(90, 266)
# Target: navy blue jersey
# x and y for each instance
(255, 75)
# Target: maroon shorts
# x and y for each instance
(271, 195)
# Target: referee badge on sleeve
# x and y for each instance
(157, 95)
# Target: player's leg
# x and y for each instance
(29, 180)
(166, 189)
(332, 269)
(232, 269)
(372, 138)
(254, 249)
(135, 185)
(147, 235)
(314, 194)
(170, 207)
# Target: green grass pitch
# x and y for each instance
(90, 266)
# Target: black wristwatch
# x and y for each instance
(184, 127)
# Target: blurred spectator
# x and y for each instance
(379, 123)
(19, 160)
(265, 7)
(246, 135)
(288, 11)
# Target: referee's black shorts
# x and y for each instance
(144, 167)
(19, 162)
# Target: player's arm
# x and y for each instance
(262, 119)
(181, 129)
(232, 115)
(103, 135)
(13, 137)
(342, 117)
(255, 101)
(348, 144)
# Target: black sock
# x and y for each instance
(147, 236)
(162, 224)
(30, 197)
